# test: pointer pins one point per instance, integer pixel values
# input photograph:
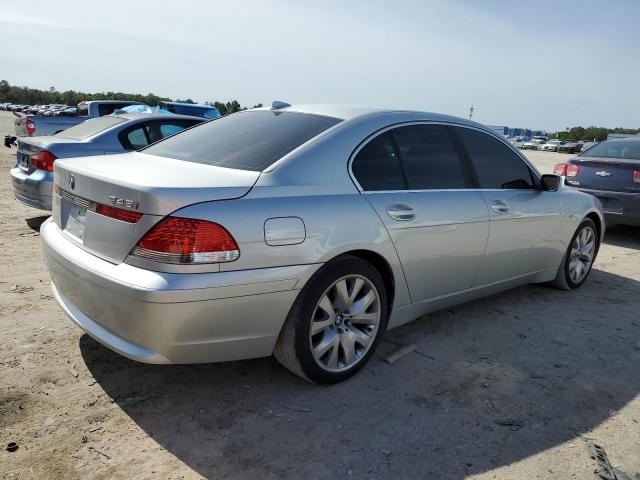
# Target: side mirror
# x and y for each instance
(549, 183)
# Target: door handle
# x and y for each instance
(499, 206)
(401, 212)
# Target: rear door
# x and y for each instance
(421, 188)
(524, 221)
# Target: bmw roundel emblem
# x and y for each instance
(72, 181)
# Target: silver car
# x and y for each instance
(304, 232)
(32, 176)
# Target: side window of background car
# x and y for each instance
(377, 167)
(135, 139)
(430, 158)
(497, 166)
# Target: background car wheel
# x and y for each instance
(579, 257)
(335, 323)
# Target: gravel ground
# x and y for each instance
(508, 387)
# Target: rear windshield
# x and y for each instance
(251, 140)
(629, 150)
(89, 128)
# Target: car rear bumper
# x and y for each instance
(618, 207)
(156, 317)
(35, 189)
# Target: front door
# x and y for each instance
(524, 221)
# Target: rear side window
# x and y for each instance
(136, 139)
(251, 140)
(143, 134)
(497, 166)
(377, 166)
(430, 157)
(82, 110)
(109, 108)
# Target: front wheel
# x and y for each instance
(579, 257)
(335, 323)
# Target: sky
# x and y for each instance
(537, 64)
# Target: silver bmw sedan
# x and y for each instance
(304, 232)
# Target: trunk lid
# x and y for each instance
(614, 175)
(30, 146)
(154, 186)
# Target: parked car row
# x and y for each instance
(37, 123)
(300, 231)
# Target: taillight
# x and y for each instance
(31, 126)
(43, 160)
(180, 240)
(560, 169)
(572, 170)
(118, 213)
(636, 176)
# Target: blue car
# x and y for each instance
(192, 109)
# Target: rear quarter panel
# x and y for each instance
(334, 224)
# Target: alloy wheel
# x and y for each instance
(344, 323)
(582, 252)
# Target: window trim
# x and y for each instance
(122, 135)
(534, 171)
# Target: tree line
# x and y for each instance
(592, 134)
(34, 96)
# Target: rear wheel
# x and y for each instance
(335, 323)
(579, 257)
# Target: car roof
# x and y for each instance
(351, 112)
(624, 139)
(158, 116)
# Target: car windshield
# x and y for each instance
(628, 150)
(89, 128)
(251, 140)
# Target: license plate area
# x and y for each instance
(24, 161)
(73, 214)
(75, 222)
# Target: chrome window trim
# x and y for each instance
(378, 132)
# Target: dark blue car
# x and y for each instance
(610, 171)
(192, 109)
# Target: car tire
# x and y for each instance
(566, 278)
(311, 326)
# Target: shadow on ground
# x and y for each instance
(623, 236)
(35, 223)
(510, 376)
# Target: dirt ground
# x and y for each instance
(508, 387)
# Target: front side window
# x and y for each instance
(377, 166)
(496, 165)
(430, 157)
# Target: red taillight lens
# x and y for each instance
(187, 241)
(118, 213)
(43, 160)
(30, 126)
(560, 169)
(572, 170)
(636, 176)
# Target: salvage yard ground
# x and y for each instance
(509, 387)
